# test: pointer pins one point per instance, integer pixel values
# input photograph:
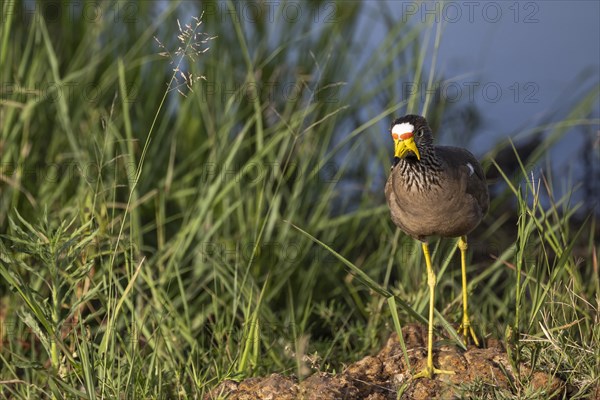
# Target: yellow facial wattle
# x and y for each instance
(404, 144)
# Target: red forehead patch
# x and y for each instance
(404, 136)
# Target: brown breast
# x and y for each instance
(452, 206)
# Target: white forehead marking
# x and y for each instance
(403, 128)
(471, 169)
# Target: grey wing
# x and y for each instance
(462, 160)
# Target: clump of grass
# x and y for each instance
(553, 328)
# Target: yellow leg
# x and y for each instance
(429, 370)
(465, 326)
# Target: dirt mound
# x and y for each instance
(383, 376)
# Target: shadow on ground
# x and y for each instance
(384, 376)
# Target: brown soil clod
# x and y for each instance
(382, 376)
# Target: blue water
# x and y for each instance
(521, 64)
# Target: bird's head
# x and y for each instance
(412, 136)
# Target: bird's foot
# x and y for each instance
(467, 330)
(429, 371)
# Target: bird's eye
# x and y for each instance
(420, 133)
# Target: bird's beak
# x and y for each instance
(405, 144)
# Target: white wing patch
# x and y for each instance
(471, 169)
(404, 127)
